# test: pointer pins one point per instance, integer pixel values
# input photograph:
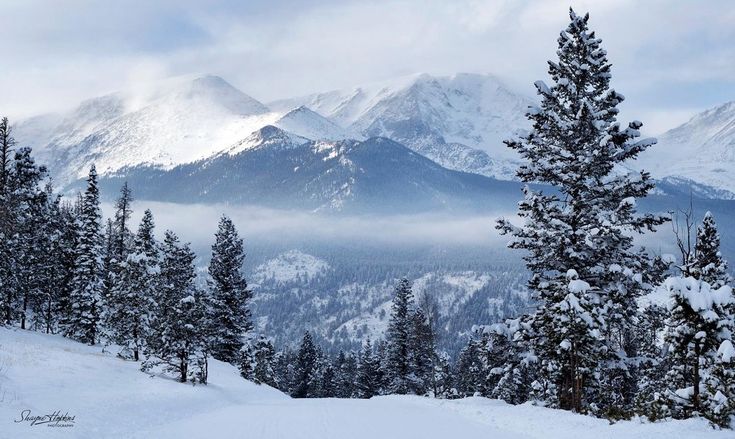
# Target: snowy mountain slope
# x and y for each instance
(274, 168)
(306, 123)
(164, 124)
(344, 107)
(110, 397)
(293, 265)
(177, 122)
(348, 299)
(450, 290)
(701, 150)
(459, 121)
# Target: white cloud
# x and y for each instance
(666, 54)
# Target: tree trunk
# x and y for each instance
(183, 366)
(695, 397)
(25, 308)
(135, 341)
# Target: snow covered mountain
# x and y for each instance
(459, 121)
(175, 122)
(275, 168)
(701, 150)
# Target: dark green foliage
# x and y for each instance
(229, 293)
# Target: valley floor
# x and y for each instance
(109, 397)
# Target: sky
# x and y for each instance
(670, 58)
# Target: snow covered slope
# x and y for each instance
(306, 123)
(290, 266)
(110, 397)
(177, 121)
(277, 169)
(702, 150)
(459, 121)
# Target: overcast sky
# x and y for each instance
(670, 58)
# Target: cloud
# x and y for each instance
(197, 223)
(664, 53)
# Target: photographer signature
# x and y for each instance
(55, 419)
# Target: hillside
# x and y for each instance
(459, 121)
(702, 150)
(275, 169)
(109, 397)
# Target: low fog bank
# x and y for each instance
(268, 231)
(198, 222)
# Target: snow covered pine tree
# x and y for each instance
(699, 331)
(398, 368)
(132, 295)
(585, 276)
(84, 312)
(229, 293)
(305, 371)
(176, 339)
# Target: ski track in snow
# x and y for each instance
(110, 397)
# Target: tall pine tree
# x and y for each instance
(367, 373)
(84, 312)
(306, 378)
(585, 274)
(229, 293)
(176, 339)
(132, 295)
(398, 362)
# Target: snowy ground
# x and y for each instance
(110, 398)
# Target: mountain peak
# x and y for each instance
(268, 135)
(307, 123)
(215, 90)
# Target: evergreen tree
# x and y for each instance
(345, 368)
(54, 266)
(29, 203)
(495, 352)
(651, 398)
(585, 275)
(443, 379)
(132, 296)
(122, 235)
(708, 264)
(264, 370)
(176, 340)
(515, 383)
(367, 373)
(398, 361)
(109, 266)
(381, 355)
(469, 374)
(699, 329)
(284, 370)
(229, 291)
(67, 245)
(7, 215)
(422, 354)
(84, 313)
(699, 326)
(306, 383)
(327, 379)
